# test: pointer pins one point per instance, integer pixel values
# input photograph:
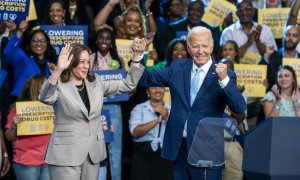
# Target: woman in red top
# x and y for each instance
(29, 151)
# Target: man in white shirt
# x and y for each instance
(249, 35)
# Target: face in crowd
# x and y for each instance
(57, 13)
(195, 12)
(179, 51)
(133, 23)
(156, 93)
(286, 78)
(291, 38)
(245, 12)
(104, 41)
(229, 51)
(38, 44)
(175, 8)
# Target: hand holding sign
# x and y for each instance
(17, 118)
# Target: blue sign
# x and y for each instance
(106, 126)
(61, 35)
(117, 74)
(14, 10)
(2, 77)
(181, 34)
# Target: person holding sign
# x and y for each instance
(147, 125)
(199, 88)
(106, 58)
(77, 143)
(283, 99)
(29, 151)
(35, 56)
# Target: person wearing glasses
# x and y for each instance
(28, 56)
(249, 35)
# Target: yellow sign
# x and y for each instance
(295, 64)
(275, 19)
(124, 51)
(252, 77)
(250, 58)
(32, 12)
(37, 118)
(216, 11)
(167, 97)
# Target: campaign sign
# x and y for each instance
(252, 77)
(2, 77)
(38, 118)
(106, 126)
(15, 10)
(61, 35)
(117, 74)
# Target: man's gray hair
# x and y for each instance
(197, 31)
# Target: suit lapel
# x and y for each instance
(90, 91)
(187, 80)
(74, 95)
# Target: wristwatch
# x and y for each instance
(276, 107)
(5, 154)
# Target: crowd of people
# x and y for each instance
(197, 71)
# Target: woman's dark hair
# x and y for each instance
(289, 68)
(46, 19)
(170, 47)
(77, 49)
(236, 48)
(50, 53)
(31, 88)
(81, 13)
(112, 50)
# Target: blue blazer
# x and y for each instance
(23, 65)
(210, 101)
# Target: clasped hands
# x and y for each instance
(138, 47)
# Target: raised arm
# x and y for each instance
(102, 16)
(292, 19)
(48, 94)
(134, 74)
(151, 25)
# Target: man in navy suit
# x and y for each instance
(216, 89)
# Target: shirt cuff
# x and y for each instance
(224, 82)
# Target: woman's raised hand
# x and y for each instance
(22, 28)
(64, 58)
(295, 96)
(275, 90)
